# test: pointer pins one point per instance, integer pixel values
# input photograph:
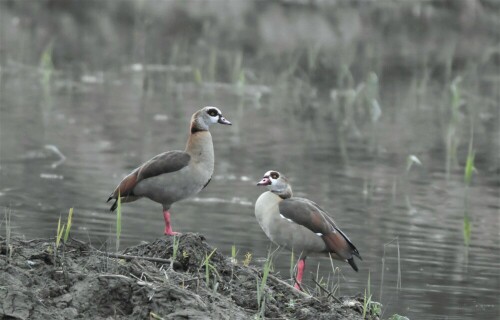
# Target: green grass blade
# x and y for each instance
(118, 221)
(469, 167)
(60, 231)
(466, 229)
(68, 226)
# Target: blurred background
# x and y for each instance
(386, 113)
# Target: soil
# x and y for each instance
(80, 282)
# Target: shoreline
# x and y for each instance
(168, 278)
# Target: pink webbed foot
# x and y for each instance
(171, 233)
(168, 226)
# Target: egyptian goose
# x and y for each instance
(300, 225)
(175, 175)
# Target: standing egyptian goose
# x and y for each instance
(175, 175)
(299, 224)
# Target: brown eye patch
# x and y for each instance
(212, 112)
(275, 175)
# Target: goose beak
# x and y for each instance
(264, 182)
(223, 120)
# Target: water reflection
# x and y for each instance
(105, 128)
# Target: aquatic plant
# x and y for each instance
(452, 137)
(398, 279)
(8, 231)
(367, 298)
(46, 66)
(468, 171)
(118, 221)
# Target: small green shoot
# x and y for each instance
(466, 229)
(118, 221)
(197, 76)
(47, 66)
(175, 250)
(469, 168)
(234, 253)
(209, 268)
(237, 67)
(68, 225)
(60, 231)
(261, 298)
(469, 164)
(8, 232)
(212, 64)
(452, 139)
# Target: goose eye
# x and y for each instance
(274, 175)
(212, 112)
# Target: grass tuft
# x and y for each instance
(210, 269)
(175, 250)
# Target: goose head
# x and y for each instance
(276, 183)
(206, 117)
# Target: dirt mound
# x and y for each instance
(183, 278)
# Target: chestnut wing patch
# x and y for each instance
(308, 214)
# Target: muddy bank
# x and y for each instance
(82, 282)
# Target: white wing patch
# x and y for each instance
(319, 234)
(285, 218)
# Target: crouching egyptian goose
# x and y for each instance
(300, 225)
(175, 175)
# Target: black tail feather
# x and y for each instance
(353, 264)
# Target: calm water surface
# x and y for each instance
(106, 126)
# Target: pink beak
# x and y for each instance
(264, 182)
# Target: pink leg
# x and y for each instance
(168, 226)
(300, 272)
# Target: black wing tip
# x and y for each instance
(356, 253)
(113, 207)
(353, 264)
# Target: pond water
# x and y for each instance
(105, 125)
